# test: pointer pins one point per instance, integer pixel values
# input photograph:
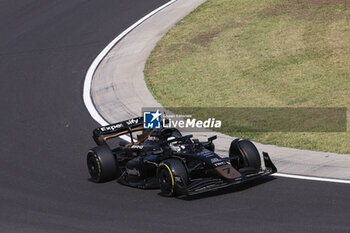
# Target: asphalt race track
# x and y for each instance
(46, 48)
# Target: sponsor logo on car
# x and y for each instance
(111, 127)
(151, 138)
(132, 121)
(137, 147)
(220, 164)
(215, 160)
(133, 171)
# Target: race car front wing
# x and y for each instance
(210, 184)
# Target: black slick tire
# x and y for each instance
(171, 174)
(247, 154)
(250, 154)
(102, 164)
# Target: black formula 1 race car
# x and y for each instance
(164, 158)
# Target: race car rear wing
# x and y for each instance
(102, 134)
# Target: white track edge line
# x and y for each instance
(313, 178)
(97, 117)
(92, 69)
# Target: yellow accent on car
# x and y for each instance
(97, 160)
(172, 178)
(244, 156)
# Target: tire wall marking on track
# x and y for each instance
(97, 117)
(312, 178)
(91, 71)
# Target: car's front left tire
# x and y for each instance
(102, 164)
(172, 175)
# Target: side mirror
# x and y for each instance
(212, 138)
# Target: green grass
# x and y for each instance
(259, 53)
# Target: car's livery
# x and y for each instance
(164, 158)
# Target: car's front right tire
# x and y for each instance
(244, 154)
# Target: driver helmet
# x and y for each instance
(176, 146)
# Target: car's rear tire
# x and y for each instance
(247, 154)
(102, 164)
(172, 175)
